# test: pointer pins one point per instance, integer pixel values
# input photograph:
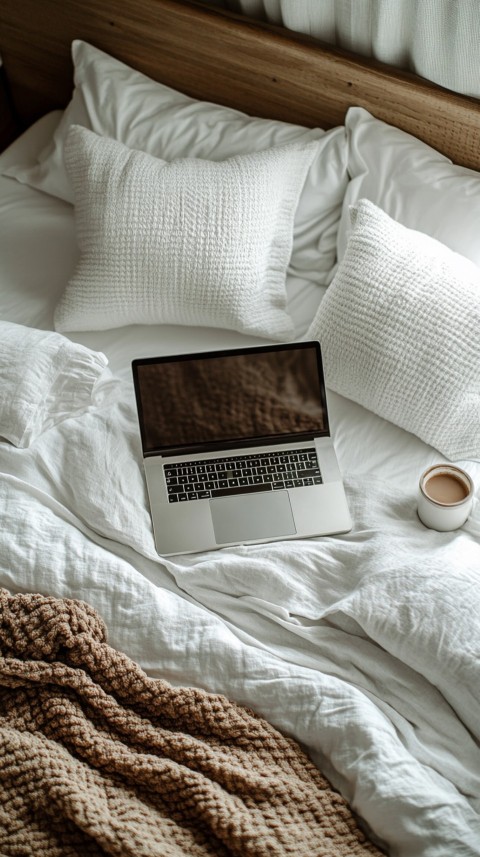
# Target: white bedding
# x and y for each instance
(365, 646)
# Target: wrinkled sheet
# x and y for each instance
(363, 646)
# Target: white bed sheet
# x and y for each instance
(363, 646)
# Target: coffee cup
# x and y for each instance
(445, 497)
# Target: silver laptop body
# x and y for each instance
(237, 448)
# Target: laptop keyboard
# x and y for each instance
(242, 474)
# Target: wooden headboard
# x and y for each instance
(218, 56)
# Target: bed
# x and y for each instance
(362, 649)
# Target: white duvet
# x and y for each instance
(365, 647)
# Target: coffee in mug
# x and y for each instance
(445, 497)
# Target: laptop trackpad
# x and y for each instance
(252, 516)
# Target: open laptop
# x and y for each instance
(237, 448)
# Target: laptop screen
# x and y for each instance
(227, 399)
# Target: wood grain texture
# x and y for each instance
(218, 56)
(9, 127)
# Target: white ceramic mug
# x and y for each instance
(445, 497)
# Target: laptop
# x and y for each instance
(237, 448)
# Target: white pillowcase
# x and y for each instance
(183, 242)
(44, 379)
(399, 330)
(115, 101)
(37, 239)
(411, 182)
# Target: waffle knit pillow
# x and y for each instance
(117, 101)
(399, 329)
(183, 242)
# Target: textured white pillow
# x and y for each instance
(44, 379)
(183, 242)
(399, 329)
(411, 182)
(116, 101)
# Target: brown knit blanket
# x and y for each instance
(97, 758)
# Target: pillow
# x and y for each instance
(183, 242)
(37, 239)
(411, 182)
(115, 101)
(44, 379)
(399, 329)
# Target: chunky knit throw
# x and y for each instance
(97, 758)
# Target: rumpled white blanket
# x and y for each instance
(365, 647)
(44, 379)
